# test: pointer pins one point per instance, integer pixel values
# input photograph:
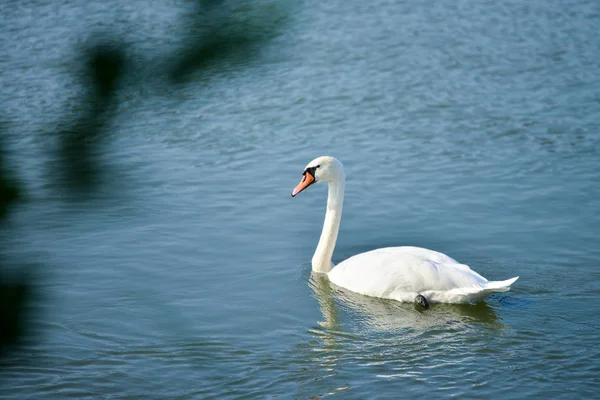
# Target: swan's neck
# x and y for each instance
(321, 261)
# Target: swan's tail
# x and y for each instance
(471, 294)
(499, 286)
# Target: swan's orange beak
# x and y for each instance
(307, 180)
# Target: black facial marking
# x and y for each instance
(311, 170)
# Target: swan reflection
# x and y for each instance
(385, 335)
(380, 315)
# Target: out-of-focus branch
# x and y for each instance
(105, 65)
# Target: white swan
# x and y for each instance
(398, 273)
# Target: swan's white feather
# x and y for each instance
(401, 273)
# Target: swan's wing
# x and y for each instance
(402, 272)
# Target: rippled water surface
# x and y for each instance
(469, 127)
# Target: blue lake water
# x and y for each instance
(470, 127)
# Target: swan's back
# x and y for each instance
(401, 273)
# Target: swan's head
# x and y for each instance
(321, 169)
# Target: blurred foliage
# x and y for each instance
(104, 68)
(218, 32)
(10, 191)
(13, 311)
(224, 31)
(13, 295)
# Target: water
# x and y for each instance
(467, 127)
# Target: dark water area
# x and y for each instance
(470, 128)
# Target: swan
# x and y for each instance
(401, 273)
